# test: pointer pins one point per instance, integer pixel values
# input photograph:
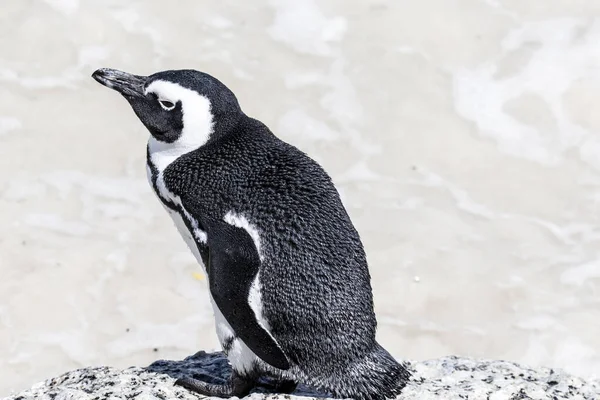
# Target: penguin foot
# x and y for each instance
(286, 386)
(283, 386)
(238, 386)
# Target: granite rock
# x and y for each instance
(444, 378)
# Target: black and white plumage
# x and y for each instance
(287, 272)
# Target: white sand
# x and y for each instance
(463, 136)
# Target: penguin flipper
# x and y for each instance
(233, 266)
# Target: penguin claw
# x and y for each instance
(238, 387)
(286, 387)
(280, 386)
(204, 388)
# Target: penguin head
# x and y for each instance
(184, 108)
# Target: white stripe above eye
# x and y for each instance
(197, 122)
(167, 105)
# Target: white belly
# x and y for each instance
(190, 237)
(187, 236)
(242, 359)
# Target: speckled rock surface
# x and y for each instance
(444, 378)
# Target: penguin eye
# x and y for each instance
(167, 105)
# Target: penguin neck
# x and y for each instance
(225, 124)
(162, 154)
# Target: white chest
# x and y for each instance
(186, 224)
(188, 236)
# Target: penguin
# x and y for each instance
(287, 273)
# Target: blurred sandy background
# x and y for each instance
(464, 137)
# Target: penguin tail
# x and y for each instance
(377, 376)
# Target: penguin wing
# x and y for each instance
(233, 265)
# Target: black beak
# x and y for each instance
(128, 85)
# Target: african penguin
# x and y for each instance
(286, 269)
